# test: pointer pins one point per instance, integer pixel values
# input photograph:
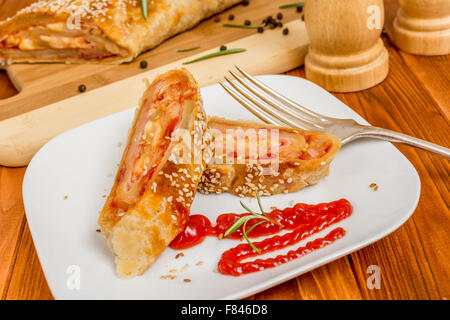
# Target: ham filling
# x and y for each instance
(56, 40)
(287, 145)
(147, 150)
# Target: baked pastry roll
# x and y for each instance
(98, 31)
(158, 175)
(282, 160)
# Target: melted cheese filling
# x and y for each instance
(87, 42)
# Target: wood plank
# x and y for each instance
(284, 291)
(334, 281)
(28, 280)
(11, 208)
(12, 220)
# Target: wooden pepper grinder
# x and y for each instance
(346, 53)
(423, 27)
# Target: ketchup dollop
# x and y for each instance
(303, 220)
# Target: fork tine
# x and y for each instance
(249, 106)
(287, 120)
(279, 97)
(314, 124)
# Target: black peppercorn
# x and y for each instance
(245, 2)
(273, 25)
(303, 17)
(223, 48)
(285, 31)
(231, 17)
(299, 8)
(81, 88)
(247, 22)
(280, 24)
(143, 64)
(279, 16)
(217, 19)
(260, 29)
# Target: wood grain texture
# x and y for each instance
(414, 260)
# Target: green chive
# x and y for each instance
(144, 5)
(243, 222)
(186, 50)
(216, 54)
(243, 26)
(239, 223)
(248, 240)
(259, 202)
(292, 5)
(255, 225)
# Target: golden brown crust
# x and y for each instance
(140, 226)
(120, 21)
(291, 174)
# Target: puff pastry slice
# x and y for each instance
(158, 175)
(289, 161)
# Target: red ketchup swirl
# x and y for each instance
(303, 220)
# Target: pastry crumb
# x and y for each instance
(199, 263)
(66, 197)
(168, 276)
(185, 267)
(187, 280)
(374, 186)
(181, 254)
(98, 230)
(119, 144)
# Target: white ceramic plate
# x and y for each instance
(81, 165)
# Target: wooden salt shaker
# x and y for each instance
(346, 52)
(423, 27)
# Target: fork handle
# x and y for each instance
(389, 135)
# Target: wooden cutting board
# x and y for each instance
(48, 102)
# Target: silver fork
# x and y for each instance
(272, 107)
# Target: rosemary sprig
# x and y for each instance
(292, 5)
(258, 198)
(243, 26)
(243, 222)
(189, 49)
(144, 5)
(216, 54)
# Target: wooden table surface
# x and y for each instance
(414, 260)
